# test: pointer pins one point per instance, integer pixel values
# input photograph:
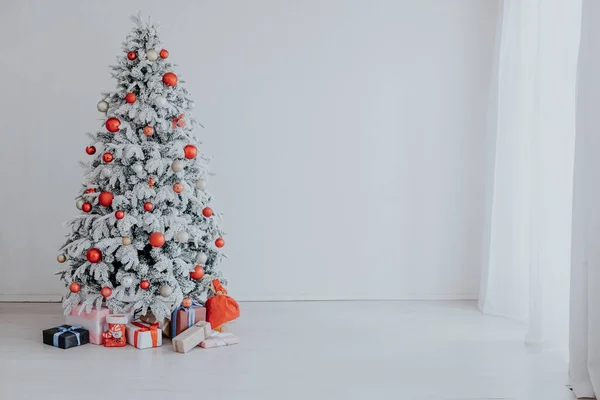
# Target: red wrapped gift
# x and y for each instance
(221, 308)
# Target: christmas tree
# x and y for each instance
(146, 238)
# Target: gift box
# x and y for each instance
(218, 339)
(164, 325)
(65, 336)
(185, 317)
(144, 336)
(191, 337)
(94, 322)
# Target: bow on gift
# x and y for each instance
(153, 329)
(178, 122)
(191, 313)
(62, 329)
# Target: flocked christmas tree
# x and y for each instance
(146, 237)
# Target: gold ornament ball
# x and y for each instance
(166, 290)
(102, 106)
(61, 258)
(126, 241)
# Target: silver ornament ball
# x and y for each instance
(102, 106)
(165, 290)
(201, 258)
(182, 237)
(126, 240)
(137, 168)
(79, 204)
(160, 101)
(152, 55)
(127, 281)
(107, 172)
(201, 184)
(177, 166)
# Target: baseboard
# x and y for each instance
(54, 298)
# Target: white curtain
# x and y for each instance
(530, 169)
(584, 344)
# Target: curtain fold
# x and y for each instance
(530, 169)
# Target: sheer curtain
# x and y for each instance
(584, 342)
(530, 171)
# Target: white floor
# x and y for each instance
(306, 350)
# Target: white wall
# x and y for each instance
(347, 137)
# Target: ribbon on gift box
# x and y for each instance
(62, 329)
(153, 329)
(191, 316)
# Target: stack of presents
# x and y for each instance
(192, 324)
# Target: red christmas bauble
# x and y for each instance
(112, 124)
(107, 157)
(74, 287)
(119, 214)
(91, 190)
(148, 206)
(86, 207)
(207, 212)
(169, 79)
(186, 302)
(144, 284)
(197, 273)
(131, 55)
(148, 130)
(93, 255)
(190, 151)
(164, 53)
(105, 199)
(90, 150)
(219, 242)
(178, 187)
(157, 239)
(130, 98)
(106, 292)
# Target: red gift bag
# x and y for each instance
(221, 308)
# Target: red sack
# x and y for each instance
(221, 308)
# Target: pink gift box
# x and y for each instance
(94, 322)
(217, 339)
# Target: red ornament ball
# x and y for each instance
(157, 239)
(106, 292)
(119, 214)
(90, 150)
(91, 190)
(144, 284)
(178, 187)
(112, 124)
(148, 206)
(219, 242)
(164, 53)
(207, 212)
(148, 130)
(105, 199)
(131, 55)
(190, 151)
(74, 287)
(93, 255)
(169, 79)
(197, 273)
(130, 98)
(186, 302)
(86, 207)
(107, 157)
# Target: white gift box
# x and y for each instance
(143, 336)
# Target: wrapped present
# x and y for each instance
(144, 336)
(185, 317)
(66, 336)
(191, 337)
(164, 325)
(94, 322)
(218, 339)
(115, 335)
(221, 308)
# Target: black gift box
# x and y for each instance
(68, 339)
